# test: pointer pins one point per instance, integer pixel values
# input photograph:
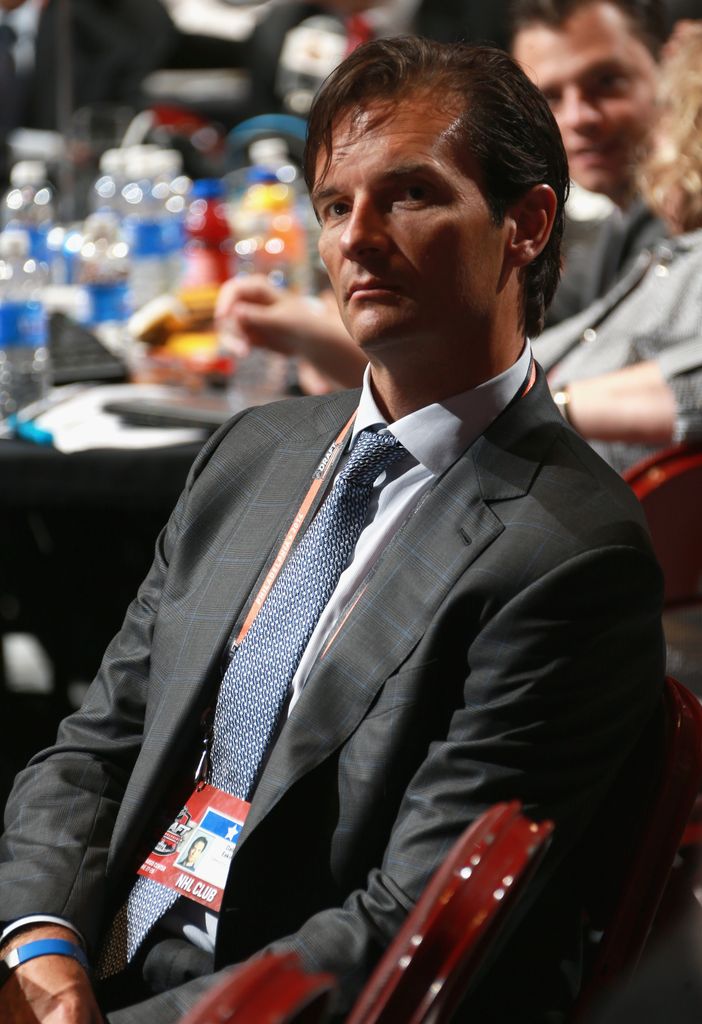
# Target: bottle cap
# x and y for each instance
(14, 243)
(269, 152)
(208, 188)
(138, 166)
(113, 161)
(167, 163)
(28, 172)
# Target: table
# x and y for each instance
(76, 539)
(77, 535)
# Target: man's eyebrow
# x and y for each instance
(606, 65)
(318, 194)
(399, 171)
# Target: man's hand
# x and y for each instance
(48, 989)
(252, 313)
(635, 405)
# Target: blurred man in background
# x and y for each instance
(114, 45)
(596, 63)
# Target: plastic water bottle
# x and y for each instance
(171, 192)
(104, 276)
(144, 186)
(272, 154)
(24, 360)
(107, 189)
(209, 248)
(29, 204)
(271, 237)
(149, 276)
(64, 243)
(271, 240)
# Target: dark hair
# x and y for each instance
(646, 17)
(505, 124)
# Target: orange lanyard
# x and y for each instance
(321, 475)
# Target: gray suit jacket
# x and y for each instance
(653, 312)
(508, 645)
(593, 267)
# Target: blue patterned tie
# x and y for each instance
(257, 681)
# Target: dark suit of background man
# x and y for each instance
(501, 638)
(596, 61)
(115, 43)
(447, 21)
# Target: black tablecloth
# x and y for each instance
(76, 538)
(77, 535)
(35, 476)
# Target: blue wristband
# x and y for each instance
(40, 947)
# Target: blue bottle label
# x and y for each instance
(38, 242)
(108, 303)
(22, 324)
(144, 237)
(173, 234)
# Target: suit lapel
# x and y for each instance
(449, 529)
(191, 660)
(555, 344)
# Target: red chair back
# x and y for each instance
(428, 967)
(650, 854)
(669, 486)
(271, 989)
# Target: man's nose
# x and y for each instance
(578, 112)
(365, 231)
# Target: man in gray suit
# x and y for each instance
(494, 632)
(596, 62)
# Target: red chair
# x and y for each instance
(669, 486)
(646, 865)
(428, 966)
(272, 989)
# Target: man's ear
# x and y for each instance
(531, 219)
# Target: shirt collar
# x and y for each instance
(439, 433)
(681, 243)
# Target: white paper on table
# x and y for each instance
(79, 422)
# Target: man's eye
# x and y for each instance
(416, 192)
(552, 98)
(338, 209)
(613, 82)
(609, 82)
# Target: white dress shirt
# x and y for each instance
(434, 437)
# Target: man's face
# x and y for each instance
(195, 852)
(407, 238)
(600, 82)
